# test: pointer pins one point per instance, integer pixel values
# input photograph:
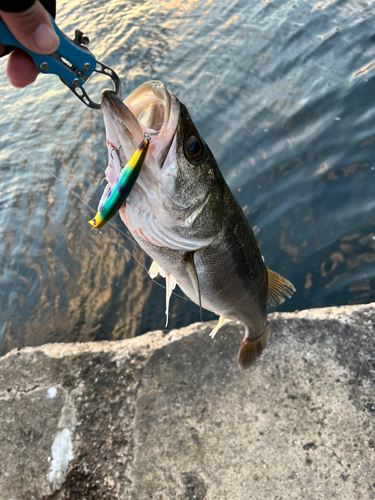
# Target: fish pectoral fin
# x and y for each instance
(191, 269)
(220, 323)
(171, 283)
(155, 269)
(250, 349)
(277, 286)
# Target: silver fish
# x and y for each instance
(183, 214)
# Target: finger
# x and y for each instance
(33, 28)
(21, 69)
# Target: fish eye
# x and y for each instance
(194, 148)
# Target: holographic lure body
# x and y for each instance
(121, 189)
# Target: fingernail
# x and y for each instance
(46, 39)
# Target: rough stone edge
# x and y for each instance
(149, 342)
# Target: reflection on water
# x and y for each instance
(282, 91)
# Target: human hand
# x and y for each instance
(33, 28)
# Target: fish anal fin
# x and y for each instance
(250, 349)
(190, 266)
(220, 323)
(277, 286)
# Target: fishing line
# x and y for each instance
(97, 231)
(30, 155)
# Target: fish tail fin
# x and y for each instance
(250, 349)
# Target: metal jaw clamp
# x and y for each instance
(72, 62)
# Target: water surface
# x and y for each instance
(283, 93)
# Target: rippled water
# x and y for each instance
(282, 91)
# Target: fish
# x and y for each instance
(184, 216)
(116, 195)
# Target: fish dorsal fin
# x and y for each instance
(277, 286)
(170, 282)
(220, 323)
(190, 265)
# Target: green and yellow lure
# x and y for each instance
(121, 189)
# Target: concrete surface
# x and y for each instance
(171, 416)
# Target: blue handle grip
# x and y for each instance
(83, 61)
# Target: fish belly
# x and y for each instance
(230, 270)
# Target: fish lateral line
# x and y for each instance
(120, 191)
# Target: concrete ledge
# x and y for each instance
(171, 416)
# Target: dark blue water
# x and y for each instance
(284, 94)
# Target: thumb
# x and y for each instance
(32, 27)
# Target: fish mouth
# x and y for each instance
(150, 108)
(151, 105)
